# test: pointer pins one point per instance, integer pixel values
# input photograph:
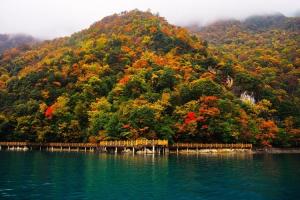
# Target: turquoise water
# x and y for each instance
(50, 175)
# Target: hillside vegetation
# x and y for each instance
(133, 75)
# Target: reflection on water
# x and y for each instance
(63, 175)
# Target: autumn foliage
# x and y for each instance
(191, 117)
(133, 75)
(268, 132)
(49, 112)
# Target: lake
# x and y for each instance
(71, 175)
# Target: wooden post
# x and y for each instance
(52, 148)
(177, 150)
(61, 148)
(84, 149)
(153, 149)
(133, 150)
(145, 150)
(116, 150)
(69, 148)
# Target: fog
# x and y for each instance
(47, 19)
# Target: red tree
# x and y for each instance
(49, 112)
(191, 116)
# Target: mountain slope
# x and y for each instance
(263, 54)
(130, 75)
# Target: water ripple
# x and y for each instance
(102, 176)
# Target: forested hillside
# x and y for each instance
(264, 58)
(133, 75)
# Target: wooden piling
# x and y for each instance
(158, 146)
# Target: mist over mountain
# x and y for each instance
(254, 23)
(218, 31)
(297, 13)
(49, 19)
(15, 40)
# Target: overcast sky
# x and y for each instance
(53, 18)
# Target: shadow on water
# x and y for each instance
(63, 175)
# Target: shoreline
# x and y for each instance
(172, 151)
(277, 151)
(241, 151)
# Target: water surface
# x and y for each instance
(55, 175)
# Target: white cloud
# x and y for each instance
(53, 18)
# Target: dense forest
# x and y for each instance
(133, 75)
